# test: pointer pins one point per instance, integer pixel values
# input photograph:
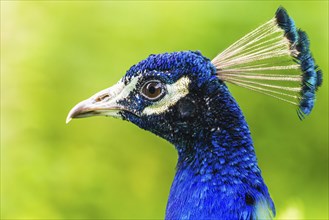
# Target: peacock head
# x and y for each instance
(167, 94)
(173, 93)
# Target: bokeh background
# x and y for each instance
(57, 53)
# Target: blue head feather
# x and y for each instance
(176, 63)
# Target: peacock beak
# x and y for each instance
(103, 103)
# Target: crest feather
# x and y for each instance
(275, 60)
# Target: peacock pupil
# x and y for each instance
(152, 90)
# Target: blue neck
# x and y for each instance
(217, 173)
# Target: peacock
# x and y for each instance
(183, 98)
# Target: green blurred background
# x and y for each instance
(57, 53)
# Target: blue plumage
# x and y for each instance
(217, 172)
(182, 97)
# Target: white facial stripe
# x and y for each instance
(175, 92)
(117, 92)
(128, 88)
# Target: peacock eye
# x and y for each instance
(153, 90)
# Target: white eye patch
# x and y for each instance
(175, 92)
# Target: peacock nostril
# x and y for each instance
(101, 97)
